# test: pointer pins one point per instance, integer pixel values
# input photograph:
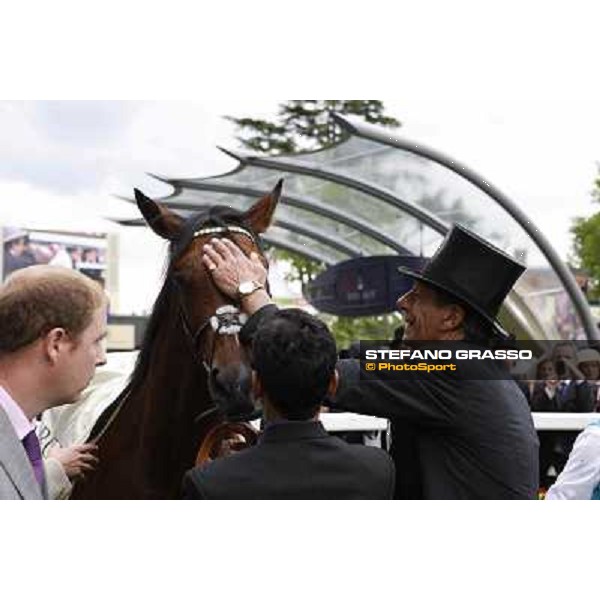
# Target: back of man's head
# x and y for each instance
(37, 299)
(294, 356)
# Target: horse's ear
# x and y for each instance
(163, 221)
(260, 215)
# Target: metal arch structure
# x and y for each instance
(303, 230)
(349, 184)
(295, 167)
(360, 185)
(294, 200)
(367, 131)
(271, 239)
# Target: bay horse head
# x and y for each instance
(191, 373)
(209, 319)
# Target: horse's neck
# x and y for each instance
(168, 393)
(174, 385)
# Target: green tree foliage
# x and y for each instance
(351, 329)
(307, 125)
(586, 245)
(303, 125)
(302, 269)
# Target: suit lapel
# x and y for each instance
(15, 461)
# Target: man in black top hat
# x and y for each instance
(465, 434)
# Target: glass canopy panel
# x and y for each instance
(453, 199)
(405, 229)
(423, 183)
(328, 227)
(282, 235)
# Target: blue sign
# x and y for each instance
(362, 286)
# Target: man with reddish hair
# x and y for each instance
(53, 322)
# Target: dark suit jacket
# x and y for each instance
(555, 446)
(471, 431)
(295, 460)
(475, 438)
(575, 396)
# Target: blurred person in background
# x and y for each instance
(573, 393)
(90, 255)
(68, 257)
(16, 255)
(588, 362)
(560, 387)
(543, 397)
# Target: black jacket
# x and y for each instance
(296, 460)
(575, 396)
(469, 438)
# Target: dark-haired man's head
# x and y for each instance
(294, 357)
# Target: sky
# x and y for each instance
(62, 163)
(509, 90)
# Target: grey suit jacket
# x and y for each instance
(17, 479)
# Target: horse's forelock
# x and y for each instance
(215, 215)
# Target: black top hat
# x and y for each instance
(473, 271)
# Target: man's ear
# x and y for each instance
(257, 387)
(53, 344)
(333, 384)
(454, 318)
(163, 221)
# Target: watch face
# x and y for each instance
(246, 287)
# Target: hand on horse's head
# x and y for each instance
(229, 266)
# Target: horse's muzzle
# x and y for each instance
(231, 390)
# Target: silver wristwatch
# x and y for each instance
(248, 287)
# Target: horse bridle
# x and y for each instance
(227, 319)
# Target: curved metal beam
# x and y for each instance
(566, 277)
(419, 213)
(296, 201)
(305, 230)
(311, 233)
(298, 249)
(291, 166)
(309, 253)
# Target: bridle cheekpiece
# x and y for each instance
(228, 319)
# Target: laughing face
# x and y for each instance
(426, 319)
